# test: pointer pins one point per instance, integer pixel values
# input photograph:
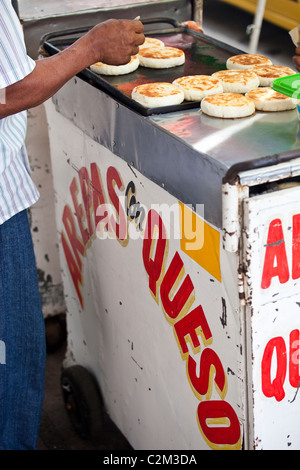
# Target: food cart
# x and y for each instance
(179, 249)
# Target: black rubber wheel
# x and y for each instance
(83, 401)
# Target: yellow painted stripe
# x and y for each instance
(200, 241)
(284, 13)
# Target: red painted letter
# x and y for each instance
(76, 242)
(174, 307)
(296, 247)
(75, 272)
(98, 193)
(153, 261)
(187, 325)
(275, 250)
(87, 197)
(219, 436)
(208, 359)
(274, 388)
(79, 212)
(113, 178)
(294, 358)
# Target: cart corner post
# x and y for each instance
(232, 194)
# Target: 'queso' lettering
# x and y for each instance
(188, 326)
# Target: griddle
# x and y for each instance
(203, 56)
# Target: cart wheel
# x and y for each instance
(83, 401)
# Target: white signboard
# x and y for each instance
(272, 257)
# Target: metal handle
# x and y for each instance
(146, 21)
(161, 20)
(65, 32)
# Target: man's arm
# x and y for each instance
(112, 42)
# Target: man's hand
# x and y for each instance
(113, 42)
(296, 58)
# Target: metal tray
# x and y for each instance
(204, 56)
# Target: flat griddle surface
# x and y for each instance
(203, 56)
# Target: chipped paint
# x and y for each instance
(232, 194)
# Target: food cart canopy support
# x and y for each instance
(256, 27)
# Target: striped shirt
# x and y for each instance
(17, 190)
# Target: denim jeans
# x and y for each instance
(22, 338)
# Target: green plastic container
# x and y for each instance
(289, 86)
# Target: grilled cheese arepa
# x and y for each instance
(267, 99)
(268, 73)
(152, 42)
(245, 61)
(227, 105)
(161, 57)
(154, 95)
(237, 81)
(105, 69)
(196, 87)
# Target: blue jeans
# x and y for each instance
(22, 338)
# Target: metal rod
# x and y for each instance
(198, 11)
(255, 31)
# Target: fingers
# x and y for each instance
(115, 41)
(296, 58)
(138, 29)
(297, 63)
(139, 39)
(138, 26)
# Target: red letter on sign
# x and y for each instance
(113, 178)
(154, 248)
(208, 360)
(294, 358)
(75, 271)
(188, 325)
(274, 388)
(175, 272)
(87, 197)
(275, 250)
(98, 193)
(79, 212)
(76, 242)
(219, 436)
(296, 247)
